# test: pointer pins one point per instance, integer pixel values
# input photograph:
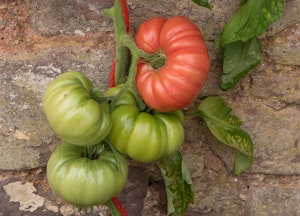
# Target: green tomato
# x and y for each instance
(74, 116)
(144, 136)
(82, 181)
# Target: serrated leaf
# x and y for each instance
(203, 3)
(251, 20)
(178, 183)
(225, 127)
(239, 59)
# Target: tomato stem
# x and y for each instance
(112, 207)
(98, 96)
(116, 97)
(116, 14)
(127, 41)
(93, 151)
(125, 45)
(131, 81)
(130, 84)
(117, 157)
(159, 61)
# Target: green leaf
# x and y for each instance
(243, 2)
(179, 186)
(203, 3)
(226, 128)
(239, 59)
(241, 163)
(251, 20)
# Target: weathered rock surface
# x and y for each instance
(41, 39)
(69, 17)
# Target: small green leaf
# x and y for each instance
(241, 163)
(251, 20)
(226, 128)
(239, 59)
(179, 186)
(215, 107)
(203, 3)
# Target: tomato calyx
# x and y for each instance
(159, 61)
(93, 152)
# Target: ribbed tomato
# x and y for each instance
(72, 113)
(177, 82)
(144, 136)
(84, 181)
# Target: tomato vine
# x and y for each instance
(176, 205)
(124, 121)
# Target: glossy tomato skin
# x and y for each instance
(144, 136)
(82, 181)
(74, 116)
(178, 82)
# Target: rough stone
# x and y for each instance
(136, 189)
(12, 21)
(275, 196)
(69, 17)
(24, 194)
(284, 47)
(210, 200)
(51, 206)
(276, 84)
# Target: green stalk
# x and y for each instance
(136, 53)
(89, 152)
(116, 14)
(112, 207)
(116, 155)
(124, 44)
(132, 85)
(126, 40)
(93, 151)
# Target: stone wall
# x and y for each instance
(40, 39)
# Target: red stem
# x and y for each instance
(119, 206)
(112, 84)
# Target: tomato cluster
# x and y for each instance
(82, 170)
(82, 123)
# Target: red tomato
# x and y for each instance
(177, 83)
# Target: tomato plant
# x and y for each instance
(74, 116)
(174, 79)
(166, 68)
(144, 136)
(84, 181)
